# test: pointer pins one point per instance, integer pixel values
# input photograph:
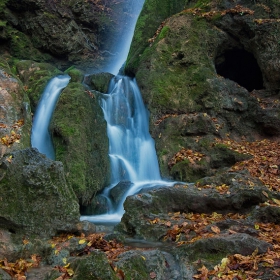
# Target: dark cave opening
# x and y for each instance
(241, 67)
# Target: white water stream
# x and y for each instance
(132, 149)
(40, 135)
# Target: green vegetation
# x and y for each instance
(35, 78)
(80, 140)
(3, 23)
(75, 74)
(202, 4)
(147, 25)
(22, 47)
(3, 5)
(163, 32)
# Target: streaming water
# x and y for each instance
(132, 150)
(40, 135)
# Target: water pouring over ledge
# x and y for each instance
(40, 135)
(131, 148)
(132, 152)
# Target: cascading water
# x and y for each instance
(40, 136)
(132, 150)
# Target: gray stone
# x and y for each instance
(34, 196)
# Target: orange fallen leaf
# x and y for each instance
(215, 229)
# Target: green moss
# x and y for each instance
(202, 4)
(135, 268)
(3, 5)
(186, 172)
(70, 68)
(80, 140)
(49, 15)
(22, 47)
(75, 74)
(152, 14)
(3, 23)
(93, 266)
(206, 142)
(35, 76)
(163, 32)
(163, 152)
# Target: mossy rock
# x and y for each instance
(147, 26)
(212, 250)
(99, 81)
(35, 77)
(28, 181)
(81, 142)
(76, 75)
(22, 47)
(93, 267)
(179, 67)
(134, 266)
(15, 105)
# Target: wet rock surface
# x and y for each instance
(31, 185)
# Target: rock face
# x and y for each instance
(210, 70)
(35, 199)
(81, 142)
(79, 32)
(186, 199)
(15, 114)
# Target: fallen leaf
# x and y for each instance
(215, 229)
(265, 193)
(168, 224)
(277, 201)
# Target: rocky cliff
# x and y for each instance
(209, 71)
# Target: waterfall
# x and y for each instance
(131, 148)
(40, 135)
(121, 47)
(132, 152)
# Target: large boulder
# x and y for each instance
(35, 199)
(80, 141)
(207, 69)
(241, 193)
